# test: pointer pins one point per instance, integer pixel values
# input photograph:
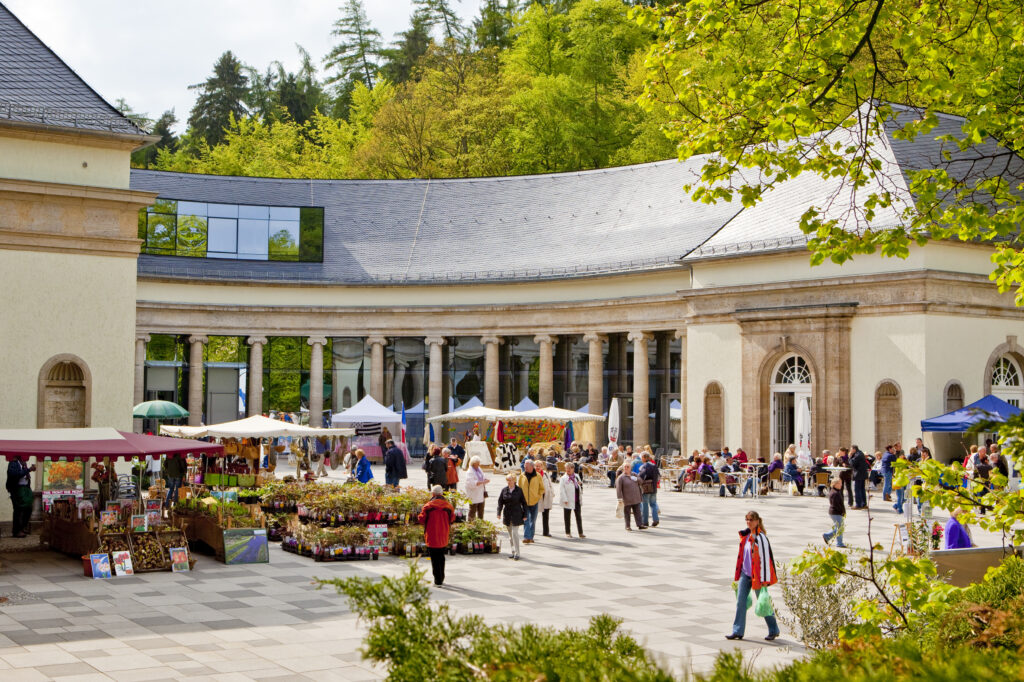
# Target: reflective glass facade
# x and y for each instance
(232, 231)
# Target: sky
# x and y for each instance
(149, 53)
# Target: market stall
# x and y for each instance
(97, 524)
(947, 432)
(373, 424)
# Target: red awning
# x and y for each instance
(95, 442)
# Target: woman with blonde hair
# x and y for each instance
(547, 500)
(476, 488)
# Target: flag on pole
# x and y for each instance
(499, 432)
(403, 421)
(613, 422)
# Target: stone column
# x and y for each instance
(377, 344)
(641, 401)
(546, 392)
(195, 379)
(435, 386)
(316, 380)
(595, 372)
(683, 396)
(140, 374)
(254, 399)
(492, 371)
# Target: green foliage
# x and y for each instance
(168, 140)
(819, 610)
(417, 640)
(221, 101)
(989, 613)
(790, 87)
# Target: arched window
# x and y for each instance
(888, 415)
(64, 387)
(793, 370)
(954, 396)
(1006, 381)
(714, 416)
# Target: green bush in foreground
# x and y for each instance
(418, 640)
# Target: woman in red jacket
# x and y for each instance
(436, 518)
(755, 568)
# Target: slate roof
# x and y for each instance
(36, 86)
(627, 219)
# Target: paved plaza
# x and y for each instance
(670, 585)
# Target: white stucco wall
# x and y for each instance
(714, 353)
(69, 164)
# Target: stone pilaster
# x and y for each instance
(595, 372)
(641, 391)
(195, 379)
(546, 392)
(316, 380)
(435, 385)
(254, 399)
(377, 344)
(492, 389)
(140, 374)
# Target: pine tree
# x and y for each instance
(221, 97)
(357, 55)
(163, 127)
(494, 24)
(440, 13)
(407, 50)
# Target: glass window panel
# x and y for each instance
(284, 240)
(284, 213)
(222, 210)
(169, 206)
(160, 234)
(311, 235)
(192, 208)
(223, 235)
(222, 254)
(252, 239)
(254, 212)
(191, 236)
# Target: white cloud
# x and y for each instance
(149, 53)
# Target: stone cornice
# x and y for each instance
(82, 136)
(137, 198)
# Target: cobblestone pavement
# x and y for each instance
(670, 585)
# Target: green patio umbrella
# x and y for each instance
(159, 409)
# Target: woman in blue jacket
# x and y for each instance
(363, 471)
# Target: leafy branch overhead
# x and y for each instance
(837, 88)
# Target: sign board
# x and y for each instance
(246, 546)
(378, 534)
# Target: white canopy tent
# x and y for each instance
(367, 411)
(469, 404)
(256, 426)
(525, 405)
(475, 414)
(555, 414)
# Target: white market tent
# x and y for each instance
(469, 404)
(256, 426)
(475, 414)
(367, 411)
(555, 414)
(525, 405)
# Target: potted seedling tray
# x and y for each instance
(147, 552)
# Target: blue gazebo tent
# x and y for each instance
(989, 408)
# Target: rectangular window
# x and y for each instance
(247, 232)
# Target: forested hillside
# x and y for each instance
(529, 87)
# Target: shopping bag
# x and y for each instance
(793, 490)
(763, 608)
(736, 589)
(618, 510)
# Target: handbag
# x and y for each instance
(647, 486)
(750, 597)
(763, 607)
(619, 510)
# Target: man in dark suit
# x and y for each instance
(394, 464)
(861, 468)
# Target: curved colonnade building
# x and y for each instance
(256, 294)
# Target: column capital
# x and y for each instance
(313, 340)
(679, 333)
(591, 337)
(377, 340)
(638, 335)
(545, 338)
(434, 340)
(198, 338)
(254, 340)
(142, 337)
(493, 338)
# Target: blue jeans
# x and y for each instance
(900, 492)
(837, 529)
(749, 485)
(887, 483)
(530, 526)
(172, 491)
(740, 624)
(860, 495)
(649, 505)
(391, 480)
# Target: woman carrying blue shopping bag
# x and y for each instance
(755, 569)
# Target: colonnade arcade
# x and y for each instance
(220, 378)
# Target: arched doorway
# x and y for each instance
(714, 416)
(64, 393)
(791, 404)
(1006, 380)
(888, 415)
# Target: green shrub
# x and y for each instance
(987, 614)
(816, 610)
